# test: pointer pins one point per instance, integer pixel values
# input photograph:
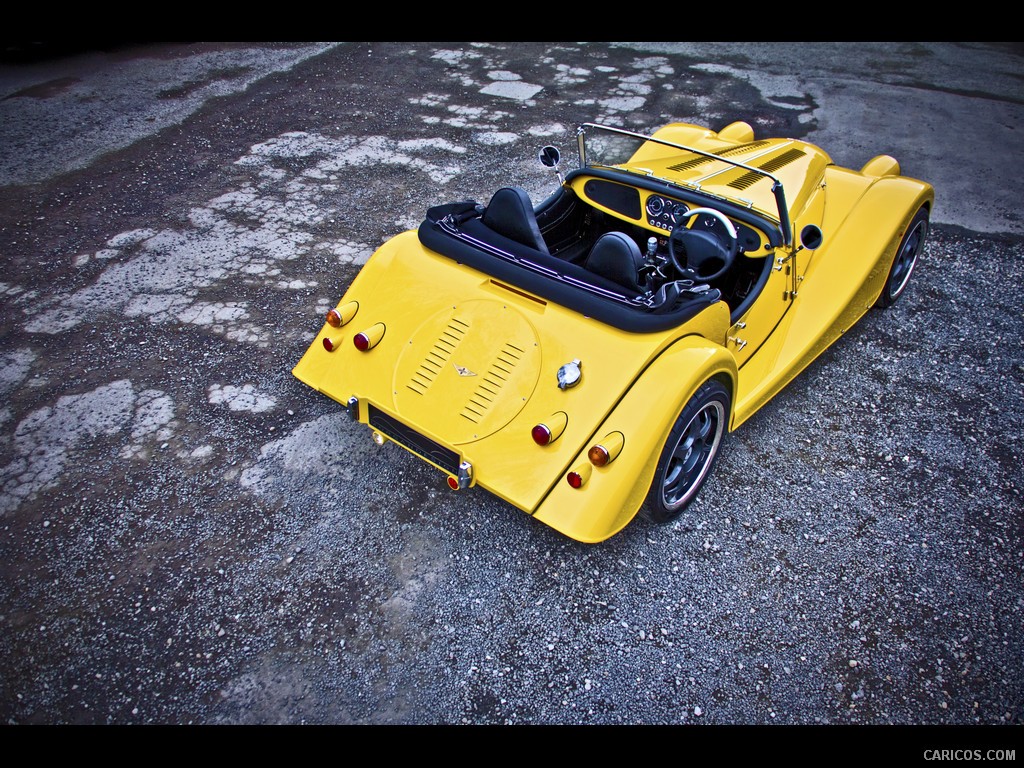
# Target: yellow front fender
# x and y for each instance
(610, 496)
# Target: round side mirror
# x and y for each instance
(811, 237)
(550, 156)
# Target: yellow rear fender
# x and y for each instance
(632, 437)
(317, 367)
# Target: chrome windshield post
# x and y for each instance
(581, 142)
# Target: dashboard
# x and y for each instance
(661, 212)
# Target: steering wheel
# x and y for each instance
(694, 249)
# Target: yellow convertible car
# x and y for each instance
(584, 358)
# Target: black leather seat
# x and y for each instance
(510, 213)
(617, 257)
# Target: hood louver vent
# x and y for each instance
(492, 382)
(699, 160)
(437, 356)
(785, 158)
(743, 148)
(770, 166)
(693, 162)
(746, 180)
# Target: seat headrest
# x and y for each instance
(510, 213)
(616, 256)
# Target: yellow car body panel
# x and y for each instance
(838, 286)
(462, 341)
(496, 439)
(613, 493)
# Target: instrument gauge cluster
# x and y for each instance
(665, 213)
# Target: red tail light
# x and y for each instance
(369, 338)
(549, 431)
(579, 475)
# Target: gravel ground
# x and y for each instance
(190, 535)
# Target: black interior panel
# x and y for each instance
(622, 199)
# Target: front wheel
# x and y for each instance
(689, 453)
(907, 255)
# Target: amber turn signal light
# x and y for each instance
(339, 316)
(607, 450)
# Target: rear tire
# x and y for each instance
(907, 255)
(689, 453)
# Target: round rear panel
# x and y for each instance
(467, 371)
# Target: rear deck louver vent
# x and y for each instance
(770, 166)
(438, 356)
(492, 382)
